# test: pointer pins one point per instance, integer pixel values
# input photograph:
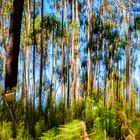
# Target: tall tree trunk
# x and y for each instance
(34, 50)
(13, 45)
(118, 91)
(128, 63)
(54, 74)
(106, 76)
(52, 61)
(128, 74)
(122, 87)
(68, 61)
(117, 81)
(68, 78)
(2, 36)
(94, 79)
(98, 82)
(55, 64)
(73, 55)
(27, 55)
(27, 52)
(94, 75)
(23, 80)
(89, 86)
(77, 65)
(63, 54)
(41, 57)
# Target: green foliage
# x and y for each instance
(69, 131)
(27, 135)
(5, 130)
(90, 110)
(138, 114)
(134, 124)
(40, 127)
(22, 133)
(50, 134)
(99, 132)
(100, 120)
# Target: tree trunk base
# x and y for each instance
(10, 97)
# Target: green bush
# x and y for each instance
(27, 136)
(5, 130)
(40, 127)
(69, 131)
(20, 131)
(38, 131)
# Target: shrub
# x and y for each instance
(69, 131)
(5, 130)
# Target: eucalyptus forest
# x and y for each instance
(69, 70)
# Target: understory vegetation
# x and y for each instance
(90, 117)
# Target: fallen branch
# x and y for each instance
(3, 98)
(10, 112)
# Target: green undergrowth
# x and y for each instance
(6, 132)
(69, 131)
(102, 123)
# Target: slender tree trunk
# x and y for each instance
(112, 90)
(41, 57)
(68, 79)
(27, 52)
(13, 45)
(89, 87)
(68, 69)
(94, 75)
(117, 81)
(106, 76)
(73, 55)
(128, 63)
(51, 89)
(63, 54)
(2, 36)
(23, 80)
(34, 53)
(122, 89)
(55, 64)
(77, 56)
(54, 75)
(98, 91)
(62, 72)
(67, 102)
(128, 74)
